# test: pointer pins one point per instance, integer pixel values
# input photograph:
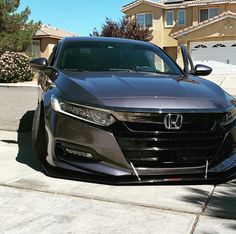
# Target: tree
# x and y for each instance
(15, 30)
(125, 28)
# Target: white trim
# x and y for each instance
(173, 13)
(184, 4)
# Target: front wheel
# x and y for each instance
(39, 134)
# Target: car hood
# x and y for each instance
(141, 90)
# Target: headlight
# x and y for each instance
(229, 117)
(94, 116)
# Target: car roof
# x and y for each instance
(105, 39)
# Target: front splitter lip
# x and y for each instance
(212, 178)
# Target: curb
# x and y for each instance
(20, 85)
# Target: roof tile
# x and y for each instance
(161, 4)
(49, 31)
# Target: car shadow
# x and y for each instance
(221, 203)
(26, 154)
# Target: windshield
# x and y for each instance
(115, 56)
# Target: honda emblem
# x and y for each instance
(173, 121)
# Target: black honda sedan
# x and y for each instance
(122, 111)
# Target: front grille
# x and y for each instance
(150, 145)
(149, 127)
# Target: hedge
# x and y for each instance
(14, 67)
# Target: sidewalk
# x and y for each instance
(17, 102)
(34, 203)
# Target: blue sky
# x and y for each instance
(78, 16)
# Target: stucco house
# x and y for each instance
(45, 39)
(206, 27)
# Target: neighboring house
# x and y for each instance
(206, 27)
(45, 39)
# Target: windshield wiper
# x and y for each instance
(122, 69)
(151, 71)
(74, 70)
(136, 70)
(156, 72)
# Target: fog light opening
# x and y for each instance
(79, 153)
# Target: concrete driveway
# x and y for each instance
(226, 82)
(34, 203)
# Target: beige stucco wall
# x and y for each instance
(157, 20)
(46, 46)
(192, 17)
(215, 30)
(161, 33)
(230, 7)
(172, 51)
(222, 8)
(167, 31)
(196, 10)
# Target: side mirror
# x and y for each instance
(202, 70)
(39, 63)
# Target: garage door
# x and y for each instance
(221, 56)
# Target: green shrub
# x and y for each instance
(14, 67)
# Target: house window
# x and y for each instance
(206, 14)
(181, 17)
(169, 18)
(33, 49)
(200, 46)
(144, 20)
(218, 45)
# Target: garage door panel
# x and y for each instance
(221, 56)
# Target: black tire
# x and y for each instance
(39, 134)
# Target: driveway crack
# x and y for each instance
(97, 198)
(196, 220)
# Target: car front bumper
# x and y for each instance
(109, 165)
